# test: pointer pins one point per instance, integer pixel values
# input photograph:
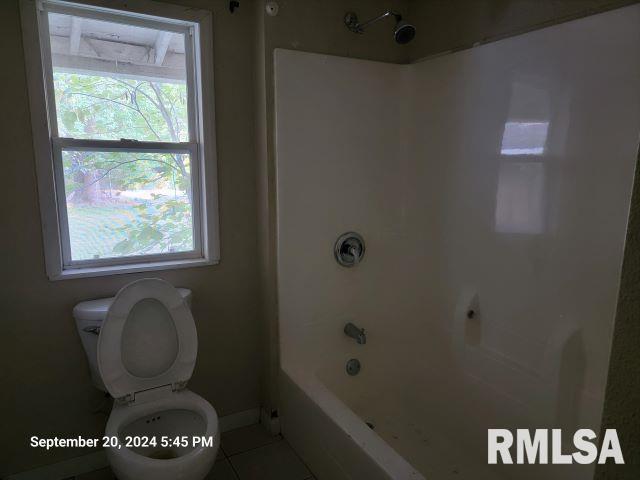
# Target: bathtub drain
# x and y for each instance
(353, 366)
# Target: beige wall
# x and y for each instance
(45, 379)
(444, 25)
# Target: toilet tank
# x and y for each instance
(89, 316)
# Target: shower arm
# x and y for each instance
(352, 21)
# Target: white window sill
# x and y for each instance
(131, 268)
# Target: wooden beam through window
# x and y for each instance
(162, 44)
(76, 34)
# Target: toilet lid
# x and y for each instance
(148, 339)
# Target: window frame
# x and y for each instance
(196, 25)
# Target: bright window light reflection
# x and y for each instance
(520, 198)
(524, 138)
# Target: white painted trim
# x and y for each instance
(113, 14)
(197, 27)
(98, 459)
(165, 12)
(133, 268)
(194, 254)
(126, 145)
(41, 137)
(207, 133)
(239, 419)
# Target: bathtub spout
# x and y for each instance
(356, 333)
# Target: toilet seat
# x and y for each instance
(147, 349)
(148, 341)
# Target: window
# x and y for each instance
(123, 133)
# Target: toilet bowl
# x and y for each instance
(180, 415)
(146, 351)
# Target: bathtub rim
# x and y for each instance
(383, 455)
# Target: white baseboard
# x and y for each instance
(239, 419)
(98, 460)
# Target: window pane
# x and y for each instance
(121, 204)
(116, 81)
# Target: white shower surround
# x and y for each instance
(497, 178)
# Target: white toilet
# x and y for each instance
(142, 346)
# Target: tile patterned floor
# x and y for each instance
(248, 453)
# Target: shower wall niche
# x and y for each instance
(495, 179)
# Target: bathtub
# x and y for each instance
(406, 415)
(383, 423)
(331, 438)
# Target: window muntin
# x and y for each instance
(124, 129)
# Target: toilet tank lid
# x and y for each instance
(96, 310)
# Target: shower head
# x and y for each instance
(403, 32)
